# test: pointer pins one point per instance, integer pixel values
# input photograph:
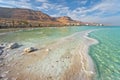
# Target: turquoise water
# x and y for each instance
(41, 35)
(106, 54)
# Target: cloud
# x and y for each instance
(105, 7)
(57, 8)
(6, 6)
(16, 3)
(42, 0)
(110, 20)
(24, 4)
(83, 2)
(102, 12)
(45, 6)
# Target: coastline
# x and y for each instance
(65, 59)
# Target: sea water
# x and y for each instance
(105, 54)
(40, 35)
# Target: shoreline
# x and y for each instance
(65, 59)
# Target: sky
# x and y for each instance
(100, 11)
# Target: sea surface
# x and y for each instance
(41, 36)
(105, 54)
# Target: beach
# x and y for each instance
(63, 59)
(59, 40)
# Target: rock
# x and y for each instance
(48, 50)
(2, 46)
(13, 45)
(1, 51)
(28, 50)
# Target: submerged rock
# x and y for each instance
(28, 50)
(13, 45)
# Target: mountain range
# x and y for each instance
(18, 17)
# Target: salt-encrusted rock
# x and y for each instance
(1, 51)
(2, 46)
(13, 45)
(28, 50)
(48, 50)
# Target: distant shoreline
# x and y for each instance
(50, 27)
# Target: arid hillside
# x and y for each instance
(17, 18)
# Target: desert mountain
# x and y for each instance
(18, 17)
(25, 14)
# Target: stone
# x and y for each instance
(28, 50)
(13, 45)
(48, 50)
(1, 51)
(2, 46)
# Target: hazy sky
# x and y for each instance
(102, 11)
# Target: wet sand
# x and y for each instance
(63, 59)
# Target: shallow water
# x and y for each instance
(105, 54)
(40, 36)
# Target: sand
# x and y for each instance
(63, 59)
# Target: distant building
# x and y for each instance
(101, 24)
